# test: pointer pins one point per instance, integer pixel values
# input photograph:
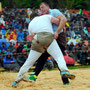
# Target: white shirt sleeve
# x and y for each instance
(29, 30)
(49, 16)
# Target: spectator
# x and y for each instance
(15, 54)
(10, 63)
(11, 47)
(3, 32)
(21, 58)
(7, 34)
(71, 46)
(1, 57)
(1, 26)
(79, 54)
(16, 45)
(25, 35)
(3, 47)
(20, 35)
(73, 54)
(84, 56)
(88, 58)
(49, 64)
(0, 36)
(14, 34)
(20, 48)
(11, 37)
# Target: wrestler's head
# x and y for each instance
(33, 15)
(44, 7)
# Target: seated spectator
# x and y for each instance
(79, 54)
(71, 46)
(19, 48)
(26, 47)
(11, 47)
(16, 45)
(3, 32)
(88, 58)
(18, 25)
(88, 29)
(1, 57)
(5, 38)
(11, 37)
(85, 31)
(21, 58)
(15, 54)
(20, 35)
(0, 36)
(25, 35)
(24, 51)
(1, 25)
(10, 63)
(84, 56)
(7, 35)
(79, 46)
(3, 47)
(66, 53)
(73, 54)
(28, 44)
(14, 34)
(49, 64)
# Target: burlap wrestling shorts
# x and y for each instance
(44, 39)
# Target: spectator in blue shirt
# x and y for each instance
(3, 47)
(1, 56)
(10, 63)
(20, 35)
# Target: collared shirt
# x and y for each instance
(55, 13)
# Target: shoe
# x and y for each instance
(66, 83)
(68, 75)
(14, 84)
(31, 78)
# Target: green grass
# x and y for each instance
(79, 67)
(69, 67)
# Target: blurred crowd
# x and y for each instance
(15, 44)
(78, 36)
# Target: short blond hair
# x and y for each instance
(44, 4)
